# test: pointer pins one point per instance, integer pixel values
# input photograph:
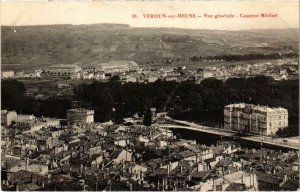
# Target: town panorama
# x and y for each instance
(109, 107)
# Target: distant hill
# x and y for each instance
(36, 46)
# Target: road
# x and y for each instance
(229, 133)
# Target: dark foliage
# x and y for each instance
(13, 94)
(189, 101)
(13, 98)
(244, 57)
(292, 130)
(115, 78)
(147, 118)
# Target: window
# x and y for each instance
(270, 124)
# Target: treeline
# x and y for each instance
(13, 98)
(202, 102)
(189, 101)
(246, 57)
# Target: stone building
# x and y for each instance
(254, 118)
(7, 117)
(80, 116)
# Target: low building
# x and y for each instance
(247, 180)
(255, 119)
(67, 70)
(153, 114)
(7, 117)
(7, 74)
(37, 124)
(132, 78)
(117, 66)
(24, 118)
(80, 116)
(19, 74)
(64, 86)
(152, 78)
(120, 155)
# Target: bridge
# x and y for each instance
(228, 133)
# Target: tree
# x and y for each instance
(147, 118)
(13, 94)
(115, 78)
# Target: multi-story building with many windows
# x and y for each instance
(80, 116)
(8, 117)
(254, 118)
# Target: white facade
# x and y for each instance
(117, 66)
(80, 116)
(7, 117)
(254, 119)
(7, 74)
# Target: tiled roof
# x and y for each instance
(236, 187)
(264, 177)
(291, 185)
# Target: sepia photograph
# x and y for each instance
(150, 96)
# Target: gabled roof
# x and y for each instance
(236, 187)
(291, 185)
(264, 177)
(116, 153)
(186, 153)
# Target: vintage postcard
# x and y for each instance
(149, 95)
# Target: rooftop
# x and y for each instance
(80, 110)
(235, 176)
(256, 107)
(65, 66)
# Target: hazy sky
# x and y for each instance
(41, 13)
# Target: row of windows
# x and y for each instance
(261, 124)
(279, 124)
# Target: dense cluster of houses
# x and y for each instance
(80, 154)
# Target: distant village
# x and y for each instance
(130, 71)
(75, 154)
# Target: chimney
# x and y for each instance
(167, 185)
(81, 168)
(200, 167)
(142, 183)
(17, 187)
(285, 178)
(26, 164)
(142, 175)
(207, 167)
(181, 169)
(158, 185)
(189, 174)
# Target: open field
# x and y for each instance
(32, 47)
